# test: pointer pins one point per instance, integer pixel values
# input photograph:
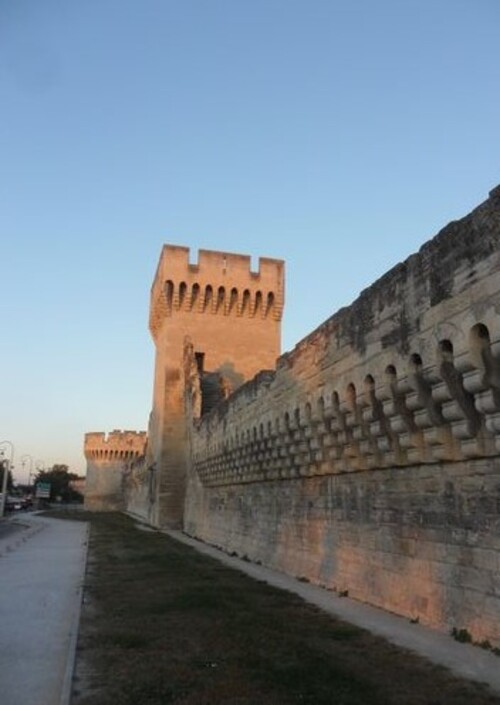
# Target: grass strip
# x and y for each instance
(164, 624)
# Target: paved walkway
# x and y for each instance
(465, 660)
(42, 564)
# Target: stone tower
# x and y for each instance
(230, 317)
(107, 459)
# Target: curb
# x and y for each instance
(69, 670)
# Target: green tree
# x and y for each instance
(59, 478)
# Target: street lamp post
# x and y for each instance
(7, 466)
(23, 462)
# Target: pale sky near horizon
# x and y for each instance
(338, 135)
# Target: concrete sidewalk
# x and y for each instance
(464, 660)
(42, 564)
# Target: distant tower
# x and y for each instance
(232, 318)
(107, 458)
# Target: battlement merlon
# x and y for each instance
(220, 282)
(129, 443)
(174, 261)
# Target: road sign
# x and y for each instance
(42, 490)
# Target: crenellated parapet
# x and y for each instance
(448, 410)
(219, 284)
(408, 375)
(115, 446)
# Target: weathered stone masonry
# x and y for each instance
(108, 458)
(368, 459)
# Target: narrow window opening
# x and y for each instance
(200, 361)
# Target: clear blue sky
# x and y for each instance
(337, 134)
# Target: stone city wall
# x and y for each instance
(368, 462)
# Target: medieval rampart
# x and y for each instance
(368, 462)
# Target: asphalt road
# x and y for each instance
(9, 527)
